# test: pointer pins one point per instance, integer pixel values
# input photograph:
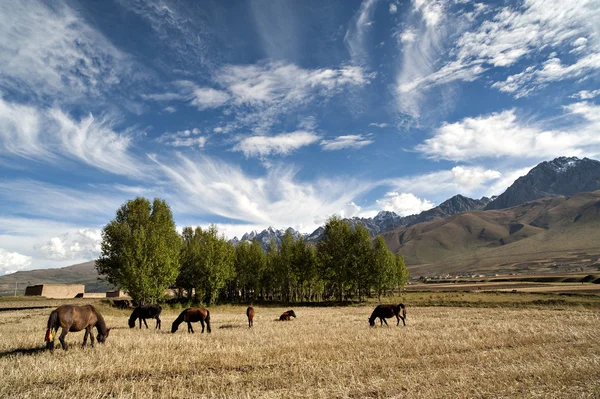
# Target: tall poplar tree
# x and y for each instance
(140, 249)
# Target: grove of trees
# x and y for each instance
(143, 254)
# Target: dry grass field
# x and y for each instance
(325, 352)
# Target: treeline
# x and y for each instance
(143, 254)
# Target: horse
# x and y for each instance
(145, 312)
(192, 315)
(250, 314)
(386, 311)
(286, 316)
(73, 318)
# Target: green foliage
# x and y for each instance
(140, 249)
(208, 262)
(333, 256)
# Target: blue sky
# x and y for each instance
(250, 114)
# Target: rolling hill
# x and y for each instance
(83, 273)
(541, 235)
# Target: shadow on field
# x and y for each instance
(22, 352)
(231, 326)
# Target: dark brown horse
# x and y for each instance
(386, 311)
(145, 312)
(73, 318)
(250, 314)
(286, 316)
(192, 315)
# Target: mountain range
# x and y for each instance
(546, 220)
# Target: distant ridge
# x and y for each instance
(382, 222)
(561, 176)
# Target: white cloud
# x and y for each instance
(349, 141)
(184, 138)
(553, 70)
(586, 94)
(79, 244)
(170, 109)
(356, 35)
(380, 125)
(504, 135)
(47, 49)
(393, 8)
(282, 144)
(350, 210)
(206, 97)
(48, 134)
(279, 198)
(506, 36)
(469, 177)
(11, 262)
(404, 204)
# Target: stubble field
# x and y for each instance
(325, 352)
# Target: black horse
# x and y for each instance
(145, 312)
(386, 311)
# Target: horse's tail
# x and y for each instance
(207, 320)
(53, 324)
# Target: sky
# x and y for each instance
(250, 114)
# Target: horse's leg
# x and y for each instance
(63, 334)
(202, 324)
(85, 336)
(385, 321)
(190, 328)
(92, 336)
(397, 320)
(140, 323)
(403, 321)
(157, 323)
(146, 324)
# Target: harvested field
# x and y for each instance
(325, 352)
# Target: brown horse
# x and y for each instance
(73, 318)
(250, 314)
(286, 316)
(192, 315)
(386, 311)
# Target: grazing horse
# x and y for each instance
(192, 315)
(73, 318)
(145, 312)
(386, 311)
(286, 316)
(250, 314)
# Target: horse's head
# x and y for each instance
(131, 322)
(372, 322)
(174, 328)
(102, 337)
(291, 313)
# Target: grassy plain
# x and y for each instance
(546, 350)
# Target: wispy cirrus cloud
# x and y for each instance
(507, 35)
(342, 142)
(282, 144)
(48, 50)
(503, 134)
(278, 198)
(50, 135)
(356, 35)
